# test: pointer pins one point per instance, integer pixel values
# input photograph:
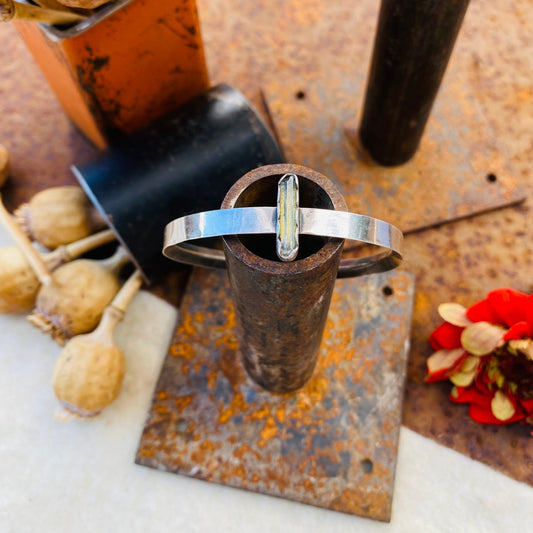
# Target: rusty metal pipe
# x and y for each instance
(414, 41)
(281, 307)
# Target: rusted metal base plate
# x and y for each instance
(332, 444)
(458, 170)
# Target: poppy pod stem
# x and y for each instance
(114, 312)
(34, 257)
(116, 262)
(123, 298)
(52, 4)
(11, 10)
(84, 4)
(68, 252)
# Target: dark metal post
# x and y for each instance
(281, 307)
(413, 43)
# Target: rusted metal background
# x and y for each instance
(332, 444)
(458, 169)
(248, 44)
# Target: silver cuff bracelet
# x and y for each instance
(287, 220)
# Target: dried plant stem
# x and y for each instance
(65, 253)
(124, 296)
(11, 10)
(114, 312)
(85, 4)
(34, 257)
(116, 262)
(55, 4)
(77, 248)
(52, 4)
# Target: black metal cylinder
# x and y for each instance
(281, 307)
(181, 164)
(413, 44)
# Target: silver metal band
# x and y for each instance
(261, 220)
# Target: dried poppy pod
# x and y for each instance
(52, 4)
(11, 10)
(73, 301)
(88, 373)
(59, 215)
(19, 283)
(4, 164)
(84, 4)
(23, 269)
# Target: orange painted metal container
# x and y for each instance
(127, 64)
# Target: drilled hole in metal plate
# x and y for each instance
(367, 466)
(491, 178)
(182, 425)
(387, 291)
(300, 95)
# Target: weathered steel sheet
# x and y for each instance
(332, 444)
(457, 171)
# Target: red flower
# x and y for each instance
(487, 353)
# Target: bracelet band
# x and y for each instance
(262, 220)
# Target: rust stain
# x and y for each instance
(186, 351)
(237, 406)
(269, 431)
(181, 402)
(146, 452)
